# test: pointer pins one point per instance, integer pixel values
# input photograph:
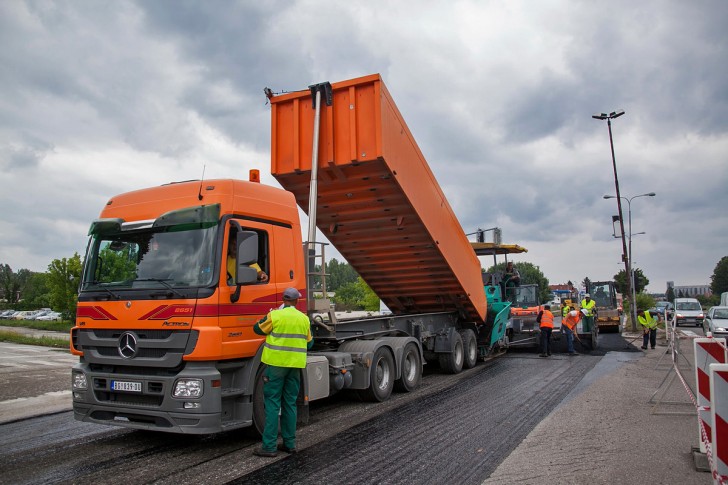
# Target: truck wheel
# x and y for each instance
(470, 347)
(411, 369)
(452, 362)
(381, 377)
(258, 403)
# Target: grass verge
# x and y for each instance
(38, 325)
(16, 338)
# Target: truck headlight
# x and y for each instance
(188, 388)
(79, 381)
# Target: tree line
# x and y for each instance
(57, 288)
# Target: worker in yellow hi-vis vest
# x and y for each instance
(284, 352)
(589, 305)
(649, 329)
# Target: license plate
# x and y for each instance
(128, 386)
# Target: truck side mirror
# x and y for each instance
(247, 254)
(247, 242)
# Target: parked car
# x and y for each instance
(23, 315)
(6, 314)
(38, 314)
(716, 321)
(688, 310)
(663, 309)
(50, 317)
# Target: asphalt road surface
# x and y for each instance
(453, 429)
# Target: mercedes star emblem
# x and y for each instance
(127, 345)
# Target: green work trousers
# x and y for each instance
(587, 324)
(280, 389)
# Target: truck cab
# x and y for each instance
(164, 332)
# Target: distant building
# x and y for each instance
(689, 291)
(563, 291)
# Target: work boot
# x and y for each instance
(265, 453)
(286, 449)
(643, 347)
(542, 355)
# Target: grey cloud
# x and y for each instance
(132, 78)
(25, 156)
(542, 110)
(242, 43)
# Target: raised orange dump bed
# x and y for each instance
(378, 202)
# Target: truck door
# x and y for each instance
(256, 299)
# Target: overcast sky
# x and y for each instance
(98, 98)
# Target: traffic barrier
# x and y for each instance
(719, 417)
(677, 360)
(711, 370)
(707, 351)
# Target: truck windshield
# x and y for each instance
(151, 258)
(688, 305)
(602, 295)
(523, 295)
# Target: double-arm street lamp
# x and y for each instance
(630, 270)
(625, 258)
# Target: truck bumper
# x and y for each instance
(148, 420)
(152, 405)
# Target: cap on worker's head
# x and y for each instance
(573, 313)
(291, 294)
(587, 295)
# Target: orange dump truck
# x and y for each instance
(164, 330)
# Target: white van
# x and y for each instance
(688, 310)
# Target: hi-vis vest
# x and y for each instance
(649, 322)
(589, 307)
(286, 345)
(547, 319)
(571, 322)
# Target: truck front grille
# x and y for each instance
(136, 348)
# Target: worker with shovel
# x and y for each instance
(649, 328)
(568, 327)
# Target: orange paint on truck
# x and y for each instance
(254, 202)
(378, 201)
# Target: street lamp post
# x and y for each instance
(625, 258)
(631, 267)
(630, 273)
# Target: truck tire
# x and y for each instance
(470, 348)
(258, 403)
(381, 377)
(411, 374)
(452, 362)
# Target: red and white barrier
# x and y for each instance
(719, 418)
(707, 351)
